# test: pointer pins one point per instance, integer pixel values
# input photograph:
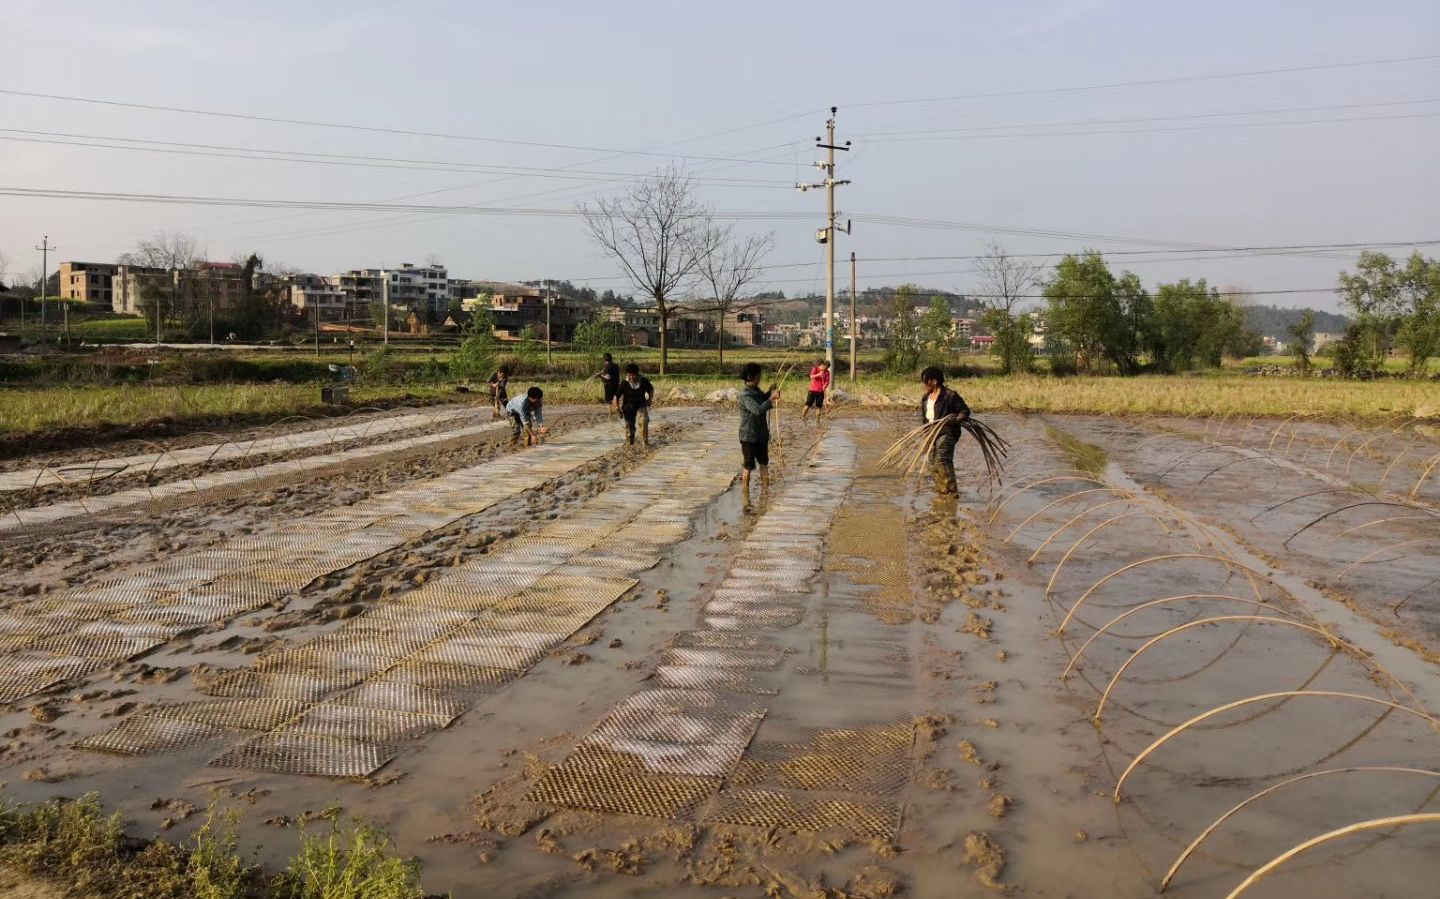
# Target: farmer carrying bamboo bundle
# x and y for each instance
(938, 402)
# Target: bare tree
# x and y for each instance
(728, 264)
(654, 230)
(4, 268)
(1006, 282)
(172, 252)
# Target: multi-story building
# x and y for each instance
(91, 282)
(744, 328)
(641, 324)
(515, 308)
(316, 294)
(130, 283)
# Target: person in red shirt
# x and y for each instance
(819, 383)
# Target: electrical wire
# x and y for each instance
(1148, 82)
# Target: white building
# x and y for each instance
(424, 287)
(315, 293)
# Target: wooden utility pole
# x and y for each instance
(854, 332)
(44, 249)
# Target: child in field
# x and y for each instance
(755, 406)
(819, 383)
(634, 398)
(938, 402)
(527, 415)
(499, 391)
(610, 377)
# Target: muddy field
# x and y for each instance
(1161, 652)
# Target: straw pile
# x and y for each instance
(911, 451)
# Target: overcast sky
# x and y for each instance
(735, 90)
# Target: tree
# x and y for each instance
(937, 326)
(1097, 316)
(170, 252)
(476, 356)
(596, 337)
(655, 230)
(904, 352)
(1301, 333)
(727, 265)
(530, 349)
(4, 268)
(1419, 332)
(1190, 325)
(1007, 282)
(1374, 294)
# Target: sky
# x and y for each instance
(1129, 127)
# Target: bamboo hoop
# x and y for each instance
(1090, 479)
(1373, 824)
(1371, 524)
(1368, 556)
(1250, 700)
(1066, 498)
(1184, 597)
(1396, 460)
(1430, 466)
(1055, 575)
(1095, 508)
(1334, 641)
(1205, 834)
(1373, 502)
(1296, 499)
(1224, 560)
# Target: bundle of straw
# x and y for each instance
(911, 451)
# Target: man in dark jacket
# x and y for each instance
(610, 377)
(938, 402)
(755, 406)
(634, 397)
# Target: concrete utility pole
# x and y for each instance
(826, 235)
(44, 249)
(385, 302)
(549, 302)
(854, 333)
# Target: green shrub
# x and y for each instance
(354, 862)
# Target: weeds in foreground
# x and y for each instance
(75, 844)
(350, 862)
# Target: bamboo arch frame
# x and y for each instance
(1069, 477)
(1334, 641)
(1372, 502)
(1086, 511)
(1250, 574)
(1379, 521)
(1066, 498)
(1038, 475)
(1360, 827)
(1368, 556)
(1055, 575)
(1183, 597)
(1250, 700)
(1430, 466)
(1396, 459)
(1205, 834)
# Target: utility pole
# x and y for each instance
(826, 235)
(854, 332)
(44, 249)
(549, 302)
(385, 302)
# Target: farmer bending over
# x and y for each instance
(938, 402)
(499, 391)
(527, 414)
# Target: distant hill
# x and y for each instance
(1275, 321)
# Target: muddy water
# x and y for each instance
(920, 617)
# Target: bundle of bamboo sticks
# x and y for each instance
(911, 451)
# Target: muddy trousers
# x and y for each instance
(942, 463)
(642, 415)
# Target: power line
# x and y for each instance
(371, 129)
(1152, 82)
(1228, 126)
(1131, 121)
(337, 159)
(340, 159)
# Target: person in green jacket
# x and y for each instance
(755, 406)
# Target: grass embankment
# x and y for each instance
(94, 411)
(1146, 395)
(61, 414)
(74, 846)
